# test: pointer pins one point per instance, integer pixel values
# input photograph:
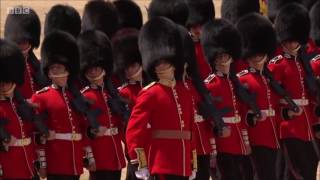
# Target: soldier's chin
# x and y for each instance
(61, 81)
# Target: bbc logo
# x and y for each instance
(18, 10)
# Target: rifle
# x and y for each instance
(26, 111)
(245, 96)
(5, 136)
(80, 104)
(116, 104)
(279, 89)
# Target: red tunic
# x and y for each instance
(265, 133)
(63, 156)
(17, 163)
(107, 149)
(130, 93)
(156, 107)
(290, 73)
(220, 86)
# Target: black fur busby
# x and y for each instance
(130, 15)
(220, 36)
(100, 15)
(258, 35)
(274, 7)
(64, 18)
(160, 40)
(23, 24)
(60, 47)
(12, 65)
(126, 50)
(234, 9)
(200, 11)
(315, 23)
(95, 50)
(293, 23)
(175, 10)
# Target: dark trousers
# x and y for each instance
(168, 177)
(62, 177)
(234, 167)
(203, 171)
(131, 169)
(104, 174)
(265, 161)
(303, 160)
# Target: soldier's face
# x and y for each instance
(58, 74)
(165, 70)
(25, 47)
(95, 75)
(6, 86)
(132, 70)
(196, 30)
(223, 60)
(94, 72)
(291, 45)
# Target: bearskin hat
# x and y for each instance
(59, 47)
(258, 35)
(64, 18)
(130, 15)
(293, 23)
(100, 15)
(234, 9)
(23, 26)
(175, 10)
(95, 50)
(219, 36)
(12, 65)
(274, 7)
(159, 40)
(125, 49)
(315, 23)
(200, 11)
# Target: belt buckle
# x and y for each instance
(24, 141)
(305, 102)
(271, 112)
(237, 118)
(74, 136)
(113, 131)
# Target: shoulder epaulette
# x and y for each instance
(209, 78)
(316, 58)
(85, 89)
(45, 89)
(149, 85)
(275, 59)
(243, 72)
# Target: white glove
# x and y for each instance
(193, 175)
(143, 173)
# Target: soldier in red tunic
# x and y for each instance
(259, 39)
(129, 69)
(64, 149)
(222, 45)
(18, 155)
(200, 12)
(164, 107)
(96, 66)
(292, 70)
(22, 26)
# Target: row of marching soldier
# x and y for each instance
(183, 96)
